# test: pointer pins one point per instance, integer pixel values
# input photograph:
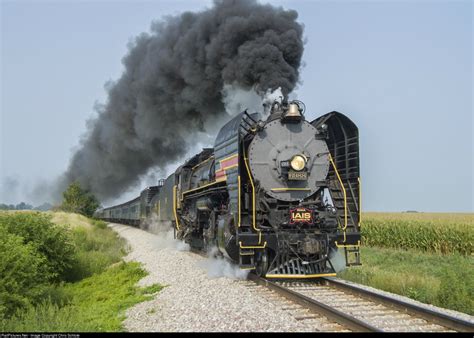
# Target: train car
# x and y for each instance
(279, 195)
(134, 212)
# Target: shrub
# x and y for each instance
(51, 241)
(21, 278)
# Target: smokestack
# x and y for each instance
(172, 87)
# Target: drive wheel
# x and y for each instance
(209, 233)
(261, 267)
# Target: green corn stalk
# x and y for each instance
(439, 233)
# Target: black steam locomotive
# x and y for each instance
(280, 196)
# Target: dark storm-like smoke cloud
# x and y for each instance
(172, 86)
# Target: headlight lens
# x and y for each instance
(298, 162)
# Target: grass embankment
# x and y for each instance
(424, 256)
(65, 276)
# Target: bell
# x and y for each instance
(293, 110)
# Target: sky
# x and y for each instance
(401, 70)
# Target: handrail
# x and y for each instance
(174, 208)
(290, 189)
(238, 200)
(201, 163)
(201, 187)
(360, 202)
(253, 246)
(254, 217)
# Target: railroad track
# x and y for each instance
(352, 308)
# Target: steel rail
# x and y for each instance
(339, 317)
(435, 317)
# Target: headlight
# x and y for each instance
(298, 162)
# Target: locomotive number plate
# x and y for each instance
(297, 175)
(301, 215)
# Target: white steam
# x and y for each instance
(217, 266)
(165, 235)
(269, 98)
(237, 99)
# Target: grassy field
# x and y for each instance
(70, 220)
(424, 256)
(64, 272)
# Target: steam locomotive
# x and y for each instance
(280, 196)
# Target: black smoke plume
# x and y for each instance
(172, 86)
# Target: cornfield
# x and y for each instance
(429, 232)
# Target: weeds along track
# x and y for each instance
(352, 308)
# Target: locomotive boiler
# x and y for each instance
(278, 195)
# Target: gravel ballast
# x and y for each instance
(201, 294)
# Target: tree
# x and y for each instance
(76, 199)
(23, 206)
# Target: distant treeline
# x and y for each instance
(75, 199)
(25, 206)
